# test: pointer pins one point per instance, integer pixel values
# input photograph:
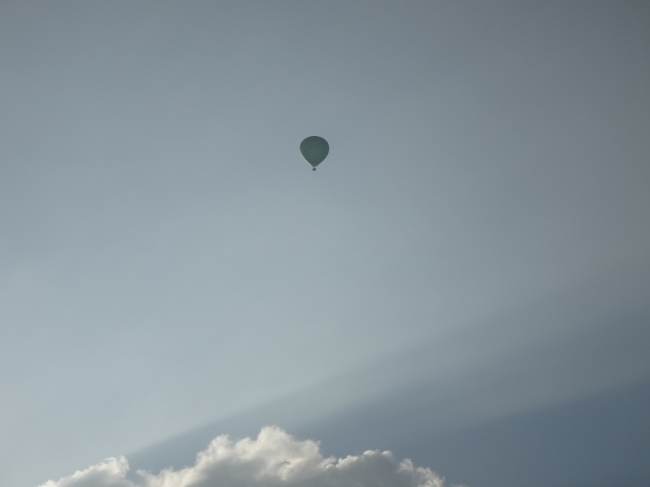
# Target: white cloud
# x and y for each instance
(274, 459)
(111, 472)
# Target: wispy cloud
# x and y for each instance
(275, 458)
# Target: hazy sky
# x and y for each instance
(475, 246)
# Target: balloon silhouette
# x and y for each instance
(314, 149)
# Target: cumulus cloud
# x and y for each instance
(274, 459)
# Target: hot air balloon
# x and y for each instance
(314, 149)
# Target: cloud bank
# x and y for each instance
(275, 458)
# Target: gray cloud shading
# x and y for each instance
(275, 458)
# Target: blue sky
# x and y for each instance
(472, 254)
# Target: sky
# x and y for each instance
(464, 281)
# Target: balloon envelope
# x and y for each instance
(314, 149)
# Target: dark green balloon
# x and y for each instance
(314, 149)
